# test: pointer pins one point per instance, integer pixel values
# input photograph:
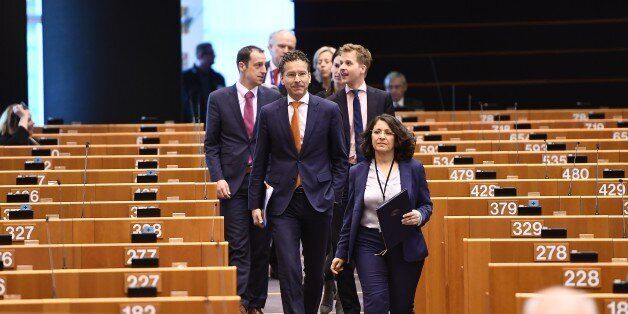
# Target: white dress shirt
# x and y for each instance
(373, 194)
(302, 112)
(398, 104)
(363, 106)
(242, 101)
(268, 81)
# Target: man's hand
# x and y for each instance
(336, 265)
(222, 190)
(258, 220)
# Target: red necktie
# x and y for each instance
(249, 121)
(276, 77)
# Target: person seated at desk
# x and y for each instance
(388, 275)
(16, 126)
(396, 85)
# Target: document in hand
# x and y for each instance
(390, 214)
(269, 193)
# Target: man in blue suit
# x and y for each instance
(229, 143)
(301, 153)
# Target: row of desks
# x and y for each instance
(197, 148)
(433, 172)
(196, 160)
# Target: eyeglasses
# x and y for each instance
(294, 75)
(380, 132)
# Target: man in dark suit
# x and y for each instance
(198, 82)
(279, 43)
(358, 104)
(301, 154)
(396, 84)
(229, 143)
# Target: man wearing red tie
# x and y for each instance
(279, 43)
(229, 142)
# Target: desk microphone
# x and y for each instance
(52, 266)
(84, 179)
(545, 160)
(64, 265)
(597, 171)
(623, 209)
(571, 172)
(517, 131)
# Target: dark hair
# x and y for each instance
(203, 49)
(244, 54)
(404, 139)
(332, 88)
(294, 55)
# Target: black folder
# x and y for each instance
(390, 214)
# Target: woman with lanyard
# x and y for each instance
(388, 275)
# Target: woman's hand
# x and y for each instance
(412, 218)
(336, 265)
(21, 111)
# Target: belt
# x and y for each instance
(299, 190)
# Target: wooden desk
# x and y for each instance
(113, 255)
(478, 253)
(509, 278)
(459, 227)
(191, 304)
(117, 209)
(113, 230)
(110, 283)
(604, 301)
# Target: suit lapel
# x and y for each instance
(234, 106)
(371, 104)
(284, 123)
(310, 122)
(360, 185)
(405, 176)
(341, 99)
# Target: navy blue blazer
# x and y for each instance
(412, 175)
(227, 146)
(322, 162)
(378, 102)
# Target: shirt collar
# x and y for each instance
(304, 100)
(242, 90)
(272, 66)
(400, 102)
(361, 87)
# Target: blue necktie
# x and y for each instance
(357, 124)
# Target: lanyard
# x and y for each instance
(383, 190)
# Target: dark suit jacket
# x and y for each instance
(411, 104)
(322, 162)
(412, 175)
(193, 94)
(378, 102)
(281, 88)
(227, 146)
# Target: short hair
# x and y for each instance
(362, 54)
(244, 54)
(203, 48)
(404, 139)
(393, 75)
(317, 54)
(559, 300)
(272, 35)
(294, 55)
